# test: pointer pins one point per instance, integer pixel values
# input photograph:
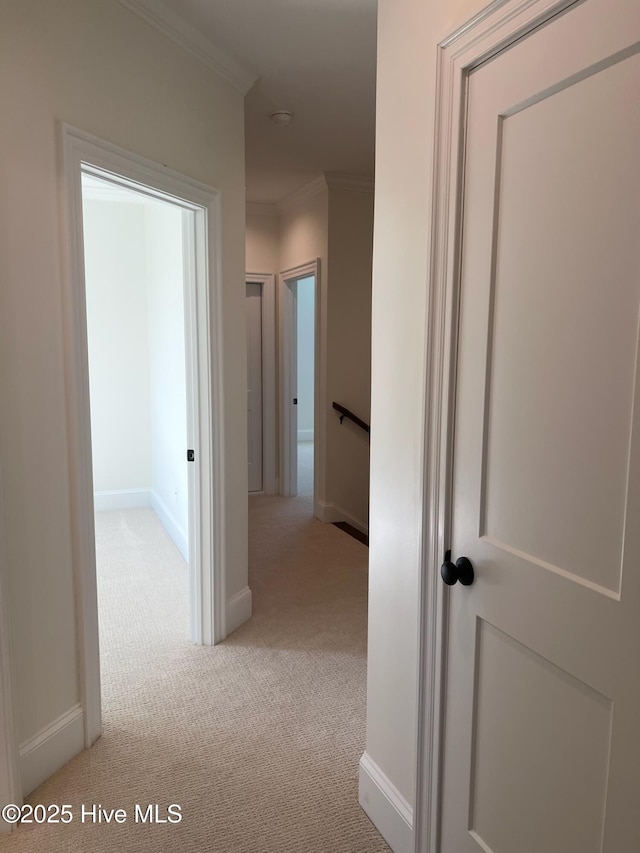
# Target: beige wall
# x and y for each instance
(408, 32)
(349, 347)
(94, 65)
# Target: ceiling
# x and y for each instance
(315, 58)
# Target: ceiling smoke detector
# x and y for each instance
(281, 117)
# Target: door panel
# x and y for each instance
(541, 754)
(254, 385)
(555, 419)
(512, 808)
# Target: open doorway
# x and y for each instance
(198, 207)
(134, 284)
(138, 273)
(305, 381)
(298, 380)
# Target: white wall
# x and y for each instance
(99, 67)
(305, 307)
(263, 238)
(167, 376)
(136, 336)
(117, 331)
(303, 232)
(408, 32)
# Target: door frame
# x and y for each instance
(80, 151)
(267, 282)
(10, 783)
(288, 442)
(494, 29)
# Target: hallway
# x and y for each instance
(258, 739)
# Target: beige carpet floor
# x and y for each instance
(257, 739)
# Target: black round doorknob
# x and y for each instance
(461, 570)
(449, 573)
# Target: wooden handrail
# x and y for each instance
(345, 413)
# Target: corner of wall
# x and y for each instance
(238, 610)
(385, 806)
(51, 748)
(331, 512)
(170, 524)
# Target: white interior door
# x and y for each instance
(254, 385)
(288, 386)
(542, 753)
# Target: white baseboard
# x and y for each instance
(305, 435)
(170, 524)
(123, 499)
(51, 748)
(332, 512)
(238, 610)
(385, 806)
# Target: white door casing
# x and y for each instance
(288, 379)
(81, 151)
(540, 749)
(253, 305)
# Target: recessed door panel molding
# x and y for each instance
(562, 350)
(516, 726)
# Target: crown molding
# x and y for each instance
(260, 208)
(317, 185)
(161, 16)
(353, 183)
(328, 180)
